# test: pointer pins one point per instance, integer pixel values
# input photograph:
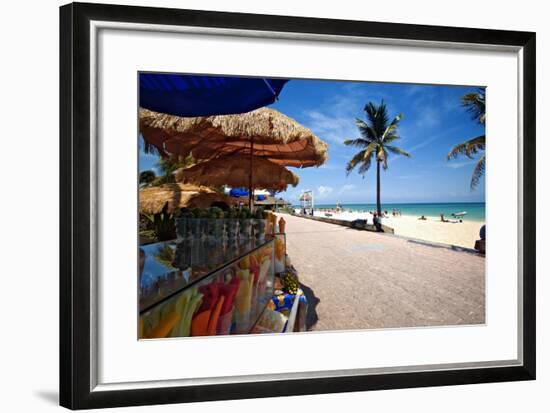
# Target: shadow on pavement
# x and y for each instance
(312, 302)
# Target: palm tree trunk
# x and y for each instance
(378, 204)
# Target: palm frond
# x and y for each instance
(397, 151)
(365, 165)
(366, 131)
(475, 104)
(468, 148)
(359, 142)
(377, 117)
(479, 171)
(392, 127)
(149, 148)
(377, 131)
(358, 157)
(391, 138)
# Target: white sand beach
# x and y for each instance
(463, 234)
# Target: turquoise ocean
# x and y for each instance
(475, 211)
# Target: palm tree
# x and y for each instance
(475, 104)
(147, 177)
(377, 134)
(169, 165)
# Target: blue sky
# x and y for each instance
(433, 121)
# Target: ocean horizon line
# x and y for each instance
(401, 203)
(472, 211)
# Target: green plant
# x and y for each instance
(169, 165)
(231, 213)
(475, 104)
(377, 134)
(260, 214)
(244, 213)
(215, 213)
(163, 224)
(197, 213)
(147, 177)
(185, 213)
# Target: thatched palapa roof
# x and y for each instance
(153, 199)
(234, 171)
(275, 136)
(272, 201)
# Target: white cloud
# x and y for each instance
(346, 188)
(422, 142)
(427, 118)
(333, 128)
(334, 120)
(456, 165)
(324, 191)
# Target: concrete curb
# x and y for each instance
(349, 224)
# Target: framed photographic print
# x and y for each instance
(258, 206)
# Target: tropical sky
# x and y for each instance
(433, 122)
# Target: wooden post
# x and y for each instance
(250, 188)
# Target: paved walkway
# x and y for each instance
(358, 279)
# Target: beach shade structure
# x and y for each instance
(271, 201)
(177, 195)
(264, 133)
(187, 95)
(235, 171)
(238, 192)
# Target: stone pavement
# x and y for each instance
(358, 279)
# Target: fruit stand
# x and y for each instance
(217, 278)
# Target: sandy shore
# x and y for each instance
(463, 234)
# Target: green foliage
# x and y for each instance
(215, 213)
(260, 214)
(244, 213)
(376, 142)
(475, 104)
(147, 177)
(185, 213)
(231, 213)
(162, 224)
(376, 135)
(169, 165)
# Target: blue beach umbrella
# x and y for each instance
(238, 192)
(189, 96)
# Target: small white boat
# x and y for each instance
(459, 214)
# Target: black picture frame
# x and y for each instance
(75, 196)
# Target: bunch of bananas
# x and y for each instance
(290, 282)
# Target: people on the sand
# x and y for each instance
(482, 232)
(376, 220)
(443, 218)
(423, 218)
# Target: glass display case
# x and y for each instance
(199, 287)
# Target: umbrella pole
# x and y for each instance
(250, 189)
